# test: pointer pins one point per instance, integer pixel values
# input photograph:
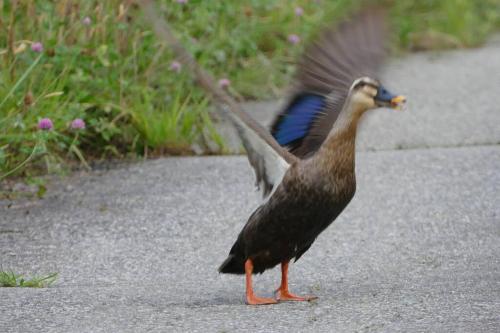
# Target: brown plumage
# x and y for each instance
(313, 192)
(311, 195)
(304, 195)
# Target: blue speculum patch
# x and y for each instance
(298, 118)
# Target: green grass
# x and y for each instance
(11, 279)
(462, 23)
(115, 75)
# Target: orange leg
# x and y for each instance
(251, 298)
(282, 291)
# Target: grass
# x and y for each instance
(101, 63)
(10, 279)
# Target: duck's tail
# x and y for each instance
(233, 264)
(235, 261)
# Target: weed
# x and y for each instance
(10, 279)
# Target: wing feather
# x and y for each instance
(268, 159)
(339, 55)
(269, 163)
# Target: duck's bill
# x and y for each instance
(385, 98)
(398, 102)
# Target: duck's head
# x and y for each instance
(369, 93)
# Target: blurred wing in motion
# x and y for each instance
(326, 71)
(268, 159)
(269, 163)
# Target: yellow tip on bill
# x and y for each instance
(398, 102)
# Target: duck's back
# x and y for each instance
(286, 225)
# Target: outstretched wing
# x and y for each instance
(339, 55)
(268, 159)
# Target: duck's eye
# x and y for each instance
(360, 85)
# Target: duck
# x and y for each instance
(304, 165)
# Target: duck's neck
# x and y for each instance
(337, 151)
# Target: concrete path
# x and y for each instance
(418, 250)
